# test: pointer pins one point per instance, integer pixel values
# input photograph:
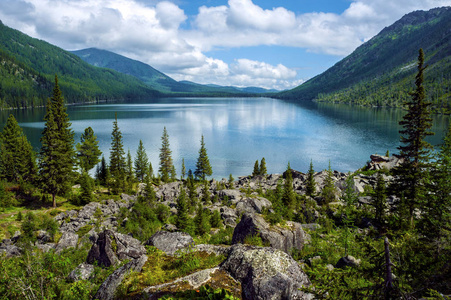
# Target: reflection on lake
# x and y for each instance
(239, 131)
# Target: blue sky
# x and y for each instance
(270, 44)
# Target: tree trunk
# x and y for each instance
(54, 200)
(388, 287)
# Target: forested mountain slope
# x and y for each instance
(28, 67)
(380, 72)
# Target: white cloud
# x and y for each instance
(152, 31)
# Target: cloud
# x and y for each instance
(161, 34)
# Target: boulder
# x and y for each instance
(253, 205)
(266, 273)
(347, 261)
(216, 249)
(233, 195)
(67, 240)
(285, 239)
(111, 247)
(10, 250)
(170, 242)
(214, 277)
(108, 288)
(379, 162)
(43, 237)
(82, 272)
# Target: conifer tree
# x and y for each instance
(206, 195)
(129, 167)
(57, 156)
(17, 158)
(86, 186)
(256, 170)
(328, 192)
(215, 220)
(102, 172)
(150, 171)
(414, 151)
(203, 167)
(88, 151)
(166, 165)
(263, 170)
(182, 220)
(288, 195)
(436, 223)
(141, 162)
(201, 221)
(379, 199)
(310, 188)
(183, 169)
(117, 158)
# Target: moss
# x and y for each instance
(84, 230)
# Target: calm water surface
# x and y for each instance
(238, 131)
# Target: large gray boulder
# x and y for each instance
(170, 242)
(9, 249)
(253, 205)
(108, 288)
(266, 273)
(82, 272)
(292, 236)
(111, 247)
(67, 240)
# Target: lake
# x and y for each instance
(238, 131)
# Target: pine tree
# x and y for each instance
(328, 192)
(203, 167)
(263, 170)
(102, 172)
(256, 170)
(215, 220)
(88, 151)
(310, 189)
(436, 210)
(206, 195)
(141, 162)
(117, 158)
(288, 194)
(183, 169)
(182, 220)
(379, 199)
(166, 164)
(129, 167)
(201, 221)
(57, 156)
(86, 186)
(150, 171)
(414, 151)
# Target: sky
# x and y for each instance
(269, 44)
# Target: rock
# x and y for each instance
(347, 261)
(311, 226)
(67, 240)
(214, 277)
(233, 195)
(253, 205)
(108, 288)
(216, 249)
(45, 247)
(379, 162)
(10, 250)
(285, 239)
(330, 267)
(170, 227)
(266, 273)
(43, 237)
(111, 247)
(170, 242)
(82, 272)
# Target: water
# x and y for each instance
(238, 131)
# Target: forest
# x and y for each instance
(394, 235)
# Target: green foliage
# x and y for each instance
(183, 173)
(203, 167)
(103, 172)
(183, 220)
(86, 184)
(17, 159)
(379, 199)
(263, 170)
(57, 152)
(28, 227)
(201, 221)
(310, 187)
(215, 220)
(231, 179)
(288, 194)
(117, 159)
(328, 192)
(204, 292)
(7, 199)
(256, 170)
(166, 165)
(255, 240)
(88, 151)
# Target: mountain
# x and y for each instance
(381, 71)
(155, 78)
(28, 67)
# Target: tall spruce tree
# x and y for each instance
(415, 152)
(256, 170)
(310, 188)
(203, 167)
(288, 194)
(88, 151)
(379, 199)
(201, 221)
(183, 169)
(117, 159)
(102, 172)
(263, 170)
(166, 164)
(57, 156)
(141, 162)
(17, 158)
(182, 219)
(328, 192)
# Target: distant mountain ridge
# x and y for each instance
(155, 78)
(380, 71)
(28, 67)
